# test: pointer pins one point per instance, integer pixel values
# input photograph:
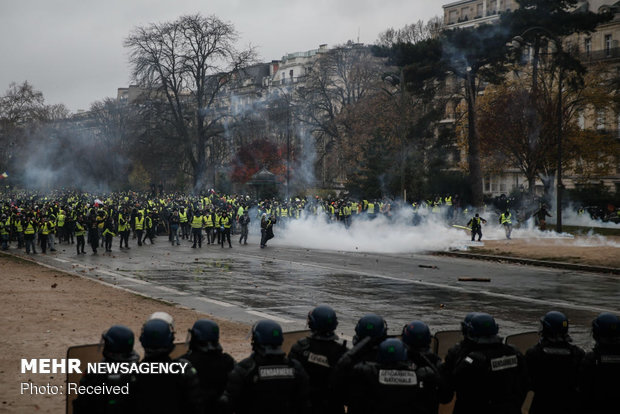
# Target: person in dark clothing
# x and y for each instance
(244, 222)
(489, 377)
(266, 229)
(108, 233)
(318, 354)
(599, 372)
(417, 337)
(476, 226)
(553, 365)
(266, 381)
(169, 393)
(370, 331)
(93, 231)
(541, 216)
(174, 221)
(390, 384)
(118, 342)
(213, 365)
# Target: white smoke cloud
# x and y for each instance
(399, 235)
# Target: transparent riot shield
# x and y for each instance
(523, 342)
(444, 340)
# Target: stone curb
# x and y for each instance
(532, 262)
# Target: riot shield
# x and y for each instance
(444, 340)
(523, 341)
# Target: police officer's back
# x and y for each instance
(165, 393)
(213, 365)
(417, 338)
(318, 354)
(266, 381)
(389, 384)
(370, 331)
(118, 344)
(490, 377)
(553, 365)
(600, 368)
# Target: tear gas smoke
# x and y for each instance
(399, 235)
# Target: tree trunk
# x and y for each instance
(473, 155)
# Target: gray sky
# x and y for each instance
(72, 50)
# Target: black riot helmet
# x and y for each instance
(205, 336)
(466, 321)
(554, 326)
(417, 336)
(606, 329)
(118, 344)
(322, 320)
(267, 337)
(391, 350)
(157, 337)
(483, 329)
(371, 325)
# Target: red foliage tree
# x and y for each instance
(256, 155)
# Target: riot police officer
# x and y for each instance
(490, 377)
(600, 368)
(318, 354)
(266, 381)
(389, 384)
(213, 365)
(165, 393)
(553, 365)
(416, 336)
(118, 344)
(370, 331)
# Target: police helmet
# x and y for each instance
(371, 325)
(416, 335)
(606, 328)
(205, 336)
(164, 316)
(118, 343)
(157, 337)
(267, 337)
(483, 329)
(392, 350)
(322, 319)
(466, 321)
(554, 326)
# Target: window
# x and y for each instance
(608, 45)
(487, 184)
(588, 46)
(600, 119)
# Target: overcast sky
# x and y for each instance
(72, 50)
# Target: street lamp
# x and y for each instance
(518, 42)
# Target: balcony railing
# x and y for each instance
(597, 55)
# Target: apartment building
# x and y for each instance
(601, 47)
(467, 13)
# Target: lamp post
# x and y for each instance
(518, 42)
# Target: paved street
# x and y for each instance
(247, 283)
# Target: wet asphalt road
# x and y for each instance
(246, 283)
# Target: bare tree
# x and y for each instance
(188, 63)
(334, 83)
